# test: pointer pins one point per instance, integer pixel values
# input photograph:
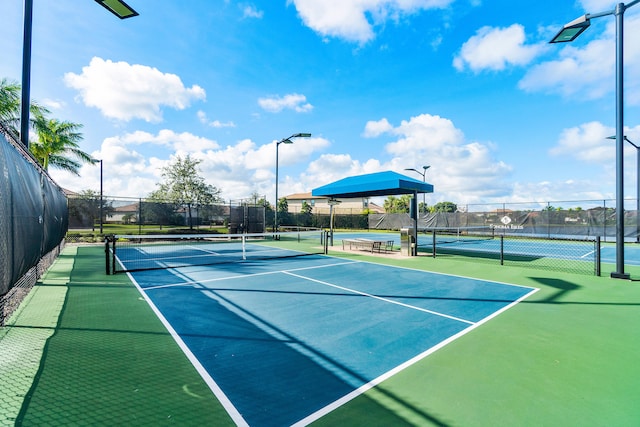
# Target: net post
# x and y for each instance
(433, 236)
(106, 255)
(113, 255)
(501, 249)
(325, 242)
(244, 247)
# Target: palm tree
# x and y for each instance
(10, 108)
(57, 144)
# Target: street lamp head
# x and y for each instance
(295, 135)
(625, 138)
(572, 30)
(426, 167)
(118, 8)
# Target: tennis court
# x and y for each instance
(523, 247)
(288, 340)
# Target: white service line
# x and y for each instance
(380, 298)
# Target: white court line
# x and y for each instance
(233, 412)
(371, 384)
(381, 298)
(213, 386)
(242, 276)
(588, 254)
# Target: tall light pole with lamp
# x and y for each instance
(117, 7)
(424, 179)
(283, 141)
(568, 34)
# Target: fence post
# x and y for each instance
(604, 219)
(598, 259)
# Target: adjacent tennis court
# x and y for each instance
(524, 246)
(287, 340)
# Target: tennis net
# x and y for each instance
(453, 235)
(129, 253)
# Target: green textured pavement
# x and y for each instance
(107, 359)
(86, 349)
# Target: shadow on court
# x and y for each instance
(111, 362)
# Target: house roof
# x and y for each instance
(302, 196)
(387, 183)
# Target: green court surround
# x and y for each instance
(566, 356)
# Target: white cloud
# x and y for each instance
(463, 171)
(292, 101)
(373, 129)
(181, 142)
(586, 142)
(353, 20)
(495, 49)
(53, 104)
(589, 143)
(250, 11)
(595, 6)
(238, 169)
(202, 116)
(123, 91)
(589, 71)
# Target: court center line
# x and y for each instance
(457, 319)
(588, 254)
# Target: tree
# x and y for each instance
(400, 204)
(159, 211)
(283, 205)
(10, 108)
(444, 207)
(84, 210)
(264, 202)
(306, 209)
(185, 187)
(57, 144)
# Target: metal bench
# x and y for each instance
(364, 244)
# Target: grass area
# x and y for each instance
(565, 356)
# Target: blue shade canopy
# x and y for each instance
(374, 184)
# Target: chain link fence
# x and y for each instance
(92, 217)
(33, 222)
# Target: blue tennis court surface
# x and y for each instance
(578, 250)
(286, 341)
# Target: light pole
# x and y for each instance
(424, 180)
(117, 7)
(637, 184)
(283, 141)
(569, 33)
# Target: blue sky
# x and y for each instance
(469, 87)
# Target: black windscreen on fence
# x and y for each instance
(33, 214)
